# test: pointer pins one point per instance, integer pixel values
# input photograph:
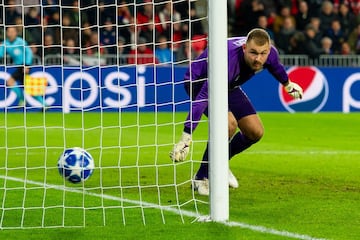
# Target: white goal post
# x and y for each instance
(113, 76)
(218, 108)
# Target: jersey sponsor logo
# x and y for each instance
(315, 86)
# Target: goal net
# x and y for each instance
(106, 76)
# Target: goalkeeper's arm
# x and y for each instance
(181, 149)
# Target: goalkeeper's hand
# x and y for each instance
(181, 149)
(294, 90)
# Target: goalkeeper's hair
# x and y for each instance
(259, 36)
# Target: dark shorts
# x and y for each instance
(18, 75)
(239, 103)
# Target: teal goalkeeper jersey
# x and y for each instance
(18, 50)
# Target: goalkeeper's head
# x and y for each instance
(257, 48)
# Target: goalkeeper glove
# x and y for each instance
(294, 90)
(181, 149)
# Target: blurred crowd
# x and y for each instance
(142, 31)
(311, 27)
(163, 31)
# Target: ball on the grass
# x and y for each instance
(76, 165)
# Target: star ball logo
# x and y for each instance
(314, 85)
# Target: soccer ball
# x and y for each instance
(76, 165)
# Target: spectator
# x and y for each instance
(326, 15)
(182, 7)
(345, 49)
(278, 22)
(37, 54)
(354, 5)
(315, 23)
(314, 7)
(106, 13)
(49, 47)
(283, 36)
(143, 54)
(70, 47)
(184, 52)
(73, 12)
(296, 43)
(93, 51)
(326, 44)
(123, 13)
(108, 36)
(86, 33)
(92, 47)
(68, 31)
(11, 13)
(337, 35)
(50, 7)
(263, 23)
(122, 51)
(346, 18)
(32, 24)
(177, 37)
(54, 19)
(166, 16)
(51, 25)
(128, 31)
(354, 40)
(291, 4)
(310, 46)
(131, 34)
(71, 53)
(146, 20)
(285, 3)
(270, 7)
(196, 25)
(249, 14)
(162, 52)
(303, 16)
(32, 17)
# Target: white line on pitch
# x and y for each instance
(302, 152)
(274, 152)
(255, 228)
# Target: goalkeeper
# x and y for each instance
(22, 57)
(246, 56)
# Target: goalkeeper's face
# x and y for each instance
(256, 55)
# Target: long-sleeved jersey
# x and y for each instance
(18, 50)
(238, 73)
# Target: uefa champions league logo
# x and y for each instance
(315, 86)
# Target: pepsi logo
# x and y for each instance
(314, 85)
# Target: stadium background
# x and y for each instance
(301, 182)
(80, 35)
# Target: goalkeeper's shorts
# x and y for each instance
(239, 103)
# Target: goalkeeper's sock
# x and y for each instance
(41, 100)
(203, 171)
(239, 143)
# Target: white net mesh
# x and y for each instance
(106, 76)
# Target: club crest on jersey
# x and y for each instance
(315, 86)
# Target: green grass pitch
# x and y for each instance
(301, 181)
